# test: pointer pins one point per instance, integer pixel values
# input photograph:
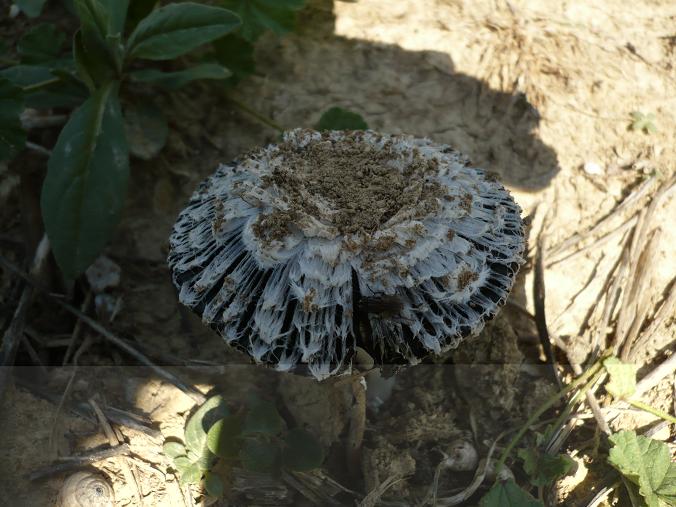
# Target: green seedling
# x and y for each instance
(641, 122)
(255, 438)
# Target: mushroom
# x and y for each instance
(300, 252)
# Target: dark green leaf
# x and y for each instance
(147, 130)
(173, 449)
(105, 41)
(508, 494)
(302, 451)
(92, 61)
(543, 468)
(237, 54)
(102, 53)
(40, 44)
(138, 9)
(116, 13)
(27, 75)
(31, 8)
(263, 418)
(258, 455)
(197, 427)
(646, 463)
(69, 5)
(101, 33)
(338, 118)
(175, 29)
(261, 15)
(213, 485)
(93, 17)
(86, 182)
(86, 64)
(64, 92)
(223, 437)
(178, 79)
(12, 136)
(189, 472)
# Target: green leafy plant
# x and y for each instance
(338, 118)
(641, 122)
(236, 50)
(87, 174)
(508, 494)
(647, 472)
(622, 386)
(255, 438)
(646, 464)
(543, 468)
(261, 15)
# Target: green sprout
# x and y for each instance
(255, 438)
(643, 122)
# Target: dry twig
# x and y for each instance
(113, 441)
(373, 497)
(540, 314)
(666, 310)
(117, 416)
(75, 462)
(627, 203)
(189, 390)
(12, 337)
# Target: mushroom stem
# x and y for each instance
(355, 437)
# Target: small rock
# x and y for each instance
(593, 169)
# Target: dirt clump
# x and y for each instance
(362, 185)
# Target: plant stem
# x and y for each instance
(260, 117)
(582, 379)
(42, 84)
(39, 149)
(560, 421)
(355, 437)
(652, 410)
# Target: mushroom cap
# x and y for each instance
(301, 251)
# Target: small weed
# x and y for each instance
(642, 122)
(255, 438)
(647, 472)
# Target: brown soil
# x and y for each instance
(360, 184)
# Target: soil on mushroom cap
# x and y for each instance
(361, 185)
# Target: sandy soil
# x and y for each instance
(540, 92)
